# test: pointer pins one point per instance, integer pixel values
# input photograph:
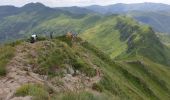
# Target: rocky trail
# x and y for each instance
(19, 72)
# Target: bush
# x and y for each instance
(37, 91)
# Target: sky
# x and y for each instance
(61, 3)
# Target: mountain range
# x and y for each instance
(153, 14)
(112, 56)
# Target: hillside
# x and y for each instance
(114, 57)
(123, 37)
(32, 18)
(16, 25)
(78, 67)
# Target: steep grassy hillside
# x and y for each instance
(122, 37)
(64, 23)
(121, 80)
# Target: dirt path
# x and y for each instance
(16, 73)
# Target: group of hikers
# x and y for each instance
(71, 35)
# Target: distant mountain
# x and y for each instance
(160, 21)
(22, 20)
(122, 8)
(76, 10)
(153, 14)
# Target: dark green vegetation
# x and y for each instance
(134, 62)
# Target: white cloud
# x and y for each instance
(55, 3)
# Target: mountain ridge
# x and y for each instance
(81, 56)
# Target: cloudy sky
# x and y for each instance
(57, 3)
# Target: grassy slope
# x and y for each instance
(64, 23)
(7, 52)
(125, 80)
(17, 25)
(141, 44)
(128, 79)
(123, 36)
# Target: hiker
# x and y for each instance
(33, 38)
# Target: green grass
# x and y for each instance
(6, 53)
(127, 79)
(37, 91)
(59, 53)
(80, 96)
